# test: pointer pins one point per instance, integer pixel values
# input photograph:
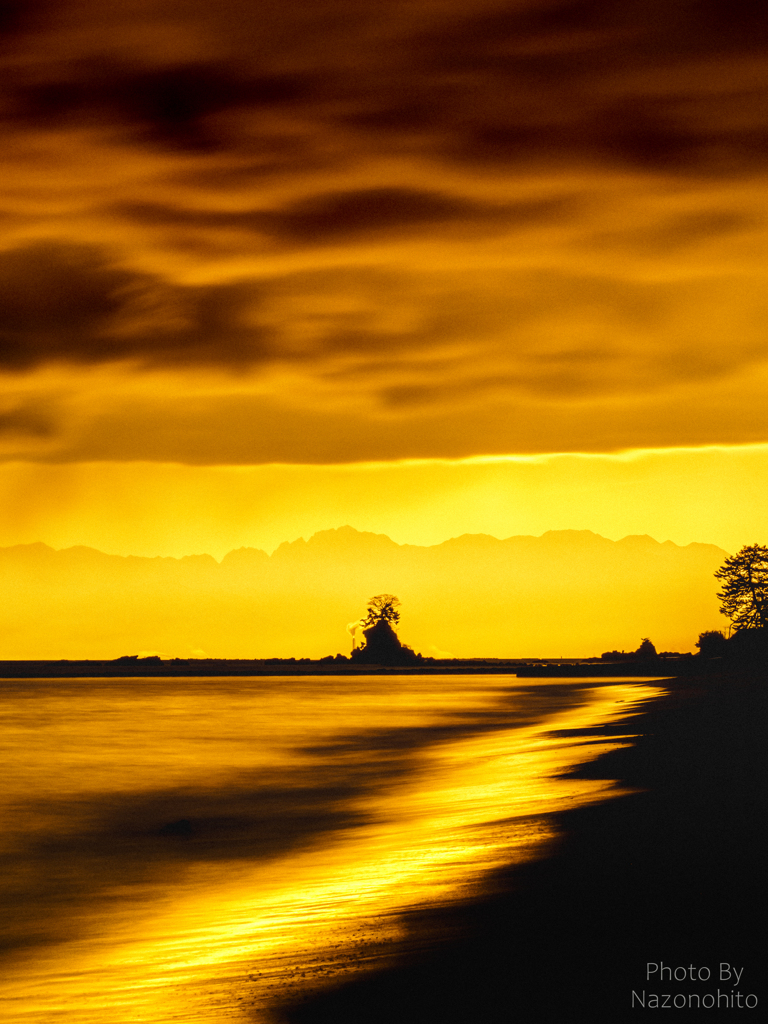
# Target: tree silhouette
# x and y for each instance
(382, 645)
(711, 643)
(383, 607)
(744, 597)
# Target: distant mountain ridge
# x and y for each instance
(569, 592)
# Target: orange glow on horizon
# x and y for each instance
(714, 495)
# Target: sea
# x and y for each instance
(212, 849)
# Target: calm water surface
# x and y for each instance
(200, 849)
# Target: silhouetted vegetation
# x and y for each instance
(744, 597)
(646, 649)
(748, 646)
(382, 645)
(382, 608)
(712, 643)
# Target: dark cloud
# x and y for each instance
(53, 302)
(719, 23)
(71, 304)
(346, 215)
(485, 81)
(11, 15)
(249, 430)
(28, 419)
(338, 215)
(564, 81)
(562, 200)
(590, 36)
(677, 233)
(172, 106)
(18, 16)
(394, 337)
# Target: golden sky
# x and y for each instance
(374, 242)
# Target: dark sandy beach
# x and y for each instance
(670, 877)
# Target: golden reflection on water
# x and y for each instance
(227, 939)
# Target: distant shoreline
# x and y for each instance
(152, 667)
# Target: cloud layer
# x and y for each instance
(335, 231)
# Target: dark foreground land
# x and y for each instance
(671, 876)
(134, 667)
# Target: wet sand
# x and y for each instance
(671, 875)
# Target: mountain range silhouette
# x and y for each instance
(568, 593)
